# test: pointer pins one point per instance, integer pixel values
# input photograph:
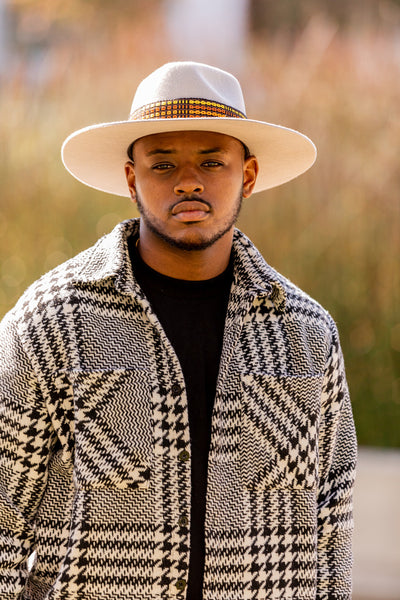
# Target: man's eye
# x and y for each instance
(162, 166)
(212, 163)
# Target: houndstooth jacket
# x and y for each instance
(95, 446)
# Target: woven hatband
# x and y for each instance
(185, 108)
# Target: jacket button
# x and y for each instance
(176, 389)
(183, 455)
(180, 585)
(183, 521)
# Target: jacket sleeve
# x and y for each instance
(26, 435)
(337, 463)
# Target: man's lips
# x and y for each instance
(190, 211)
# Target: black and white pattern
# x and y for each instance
(95, 445)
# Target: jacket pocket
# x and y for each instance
(279, 431)
(113, 429)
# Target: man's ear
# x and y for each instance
(250, 172)
(130, 178)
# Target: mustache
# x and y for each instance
(190, 198)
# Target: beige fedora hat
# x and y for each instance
(182, 96)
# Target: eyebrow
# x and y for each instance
(171, 151)
(159, 151)
(212, 150)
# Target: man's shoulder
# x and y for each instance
(299, 302)
(53, 287)
(287, 296)
(58, 286)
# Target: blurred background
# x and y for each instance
(329, 69)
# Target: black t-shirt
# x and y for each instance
(192, 314)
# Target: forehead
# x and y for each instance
(199, 141)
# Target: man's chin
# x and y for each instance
(190, 243)
(189, 236)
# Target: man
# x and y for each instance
(175, 420)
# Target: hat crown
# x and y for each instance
(189, 80)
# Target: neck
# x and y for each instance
(190, 265)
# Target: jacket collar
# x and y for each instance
(253, 274)
(109, 259)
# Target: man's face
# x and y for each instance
(188, 186)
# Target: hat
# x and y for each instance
(181, 96)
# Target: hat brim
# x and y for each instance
(96, 155)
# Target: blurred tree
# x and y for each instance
(293, 15)
(335, 232)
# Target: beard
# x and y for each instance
(207, 239)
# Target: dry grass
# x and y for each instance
(334, 231)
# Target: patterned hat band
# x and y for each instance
(185, 108)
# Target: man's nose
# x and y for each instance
(188, 183)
